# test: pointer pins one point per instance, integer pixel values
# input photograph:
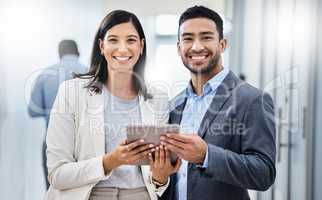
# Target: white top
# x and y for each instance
(119, 113)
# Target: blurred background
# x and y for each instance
(274, 44)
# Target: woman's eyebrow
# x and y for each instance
(132, 36)
(128, 36)
(109, 36)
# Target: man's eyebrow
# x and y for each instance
(207, 33)
(186, 34)
(202, 33)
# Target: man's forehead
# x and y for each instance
(198, 25)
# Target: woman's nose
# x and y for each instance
(123, 47)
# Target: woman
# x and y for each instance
(88, 155)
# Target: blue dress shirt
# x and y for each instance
(193, 113)
(46, 86)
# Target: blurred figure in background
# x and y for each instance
(45, 89)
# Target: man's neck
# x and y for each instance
(199, 80)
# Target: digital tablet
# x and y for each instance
(151, 134)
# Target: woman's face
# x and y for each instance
(122, 47)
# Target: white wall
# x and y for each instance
(150, 8)
(30, 32)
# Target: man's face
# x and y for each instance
(199, 46)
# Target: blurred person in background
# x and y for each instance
(46, 86)
(88, 154)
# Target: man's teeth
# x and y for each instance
(122, 58)
(198, 57)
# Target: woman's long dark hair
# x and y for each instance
(98, 72)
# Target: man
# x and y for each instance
(227, 138)
(46, 86)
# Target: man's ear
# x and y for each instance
(223, 45)
(178, 48)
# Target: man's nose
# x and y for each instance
(197, 45)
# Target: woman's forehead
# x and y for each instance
(123, 29)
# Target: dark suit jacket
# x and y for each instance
(239, 129)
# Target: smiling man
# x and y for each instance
(227, 138)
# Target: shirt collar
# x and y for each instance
(68, 57)
(211, 85)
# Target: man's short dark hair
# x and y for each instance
(203, 12)
(66, 47)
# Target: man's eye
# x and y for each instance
(187, 39)
(207, 38)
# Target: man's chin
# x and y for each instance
(198, 69)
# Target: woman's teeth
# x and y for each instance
(122, 58)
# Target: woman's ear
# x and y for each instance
(142, 46)
(101, 45)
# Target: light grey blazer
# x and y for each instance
(75, 140)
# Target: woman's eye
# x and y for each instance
(113, 40)
(131, 41)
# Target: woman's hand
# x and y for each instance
(126, 154)
(161, 166)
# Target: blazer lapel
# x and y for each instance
(95, 111)
(176, 114)
(223, 93)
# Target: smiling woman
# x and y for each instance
(118, 46)
(121, 48)
(87, 157)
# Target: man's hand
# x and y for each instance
(190, 147)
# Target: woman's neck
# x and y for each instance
(121, 85)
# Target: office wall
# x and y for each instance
(30, 32)
(317, 150)
(152, 8)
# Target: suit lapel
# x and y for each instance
(223, 93)
(176, 114)
(95, 111)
